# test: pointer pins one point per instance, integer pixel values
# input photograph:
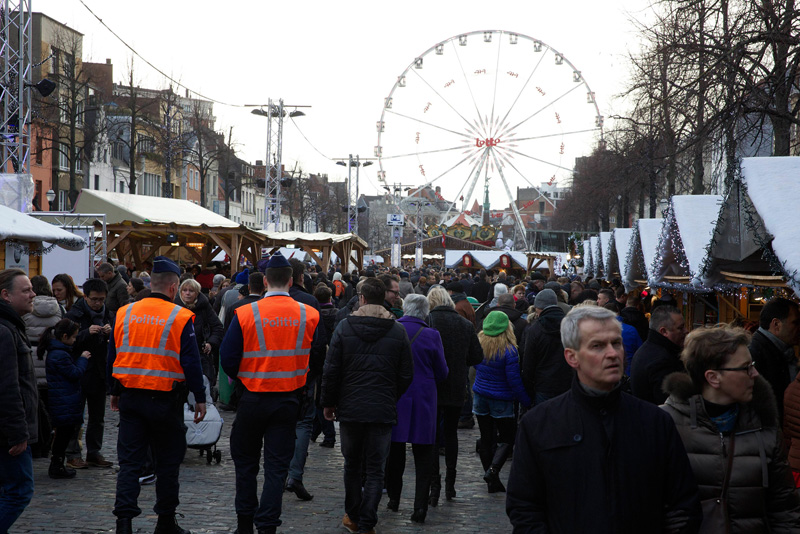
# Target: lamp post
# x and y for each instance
(51, 196)
(275, 113)
(352, 208)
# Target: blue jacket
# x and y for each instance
(64, 372)
(630, 342)
(500, 379)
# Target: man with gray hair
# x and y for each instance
(659, 356)
(608, 462)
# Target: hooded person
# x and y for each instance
(483, 310)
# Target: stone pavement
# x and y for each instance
(83, 505)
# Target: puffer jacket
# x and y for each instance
(46, 313)
(64, 372)
(368, 367)
(761, 493)
(544, 369)
(461, 350)
(500, 379)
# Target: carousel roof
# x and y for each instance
(462, 218)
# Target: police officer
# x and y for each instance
(267, 347)
(151, 356)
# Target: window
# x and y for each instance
(97, 182)
(151, 184)
(145, 143)
(121, 186)
(39, 150)
(79, 108)
(63, 160)
(105, 155)
(541, 207)
(63, 201)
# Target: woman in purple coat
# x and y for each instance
(416, 409)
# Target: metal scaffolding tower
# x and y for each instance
(272, 193)
(15, 140)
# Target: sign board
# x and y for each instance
(395, 219)
(17, 257)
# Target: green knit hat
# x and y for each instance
(495, 323)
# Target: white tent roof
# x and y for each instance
(694, 218)
(307, 236)
(597, 260)
(485, 258)
(605, 252)
(588, 268)
(773, 185)
(649, 230)
(22, 227)
(622, 244)
(466, 218)
(120, 207)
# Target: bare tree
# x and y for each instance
(201, 147)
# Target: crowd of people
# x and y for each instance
(618, 418)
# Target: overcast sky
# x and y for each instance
(341, 58)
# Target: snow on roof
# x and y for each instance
(622, 244)
(120, 207)
(597, 260)
(485, 258)
(773, 185)
(605, 252)
(649, 230)
(322, 237)
(22, 227)
(696, 217)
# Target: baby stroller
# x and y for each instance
(204, 435)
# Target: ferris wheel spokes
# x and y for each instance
(460, 134)
(523, 87)
(466, 80)
(429, 182)
(517, 215)
(496, 73)
(478, 165)
(443, 98)
(545, 107)
(540, 160)
(574, 132)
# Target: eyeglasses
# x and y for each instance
(392, 291)
(747, 368)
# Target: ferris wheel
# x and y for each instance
(493, 106)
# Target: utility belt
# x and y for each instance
(177, 396)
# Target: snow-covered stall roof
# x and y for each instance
(685, 238)
(606, 253)
(487, 259)
(642, 251)
(588, 267)
(21, 227)
(773, 186)
(622, 243)
(321, 237)
(597, 260)
(121, 207)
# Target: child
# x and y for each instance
(64, 372)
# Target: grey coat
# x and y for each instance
(117, 293)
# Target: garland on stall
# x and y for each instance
(26, 249)
(612, 253)
(671, 234)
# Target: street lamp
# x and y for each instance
(273, 179)
(51, 196)
(352, 207)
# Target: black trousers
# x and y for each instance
(447, 432)
(61, 439)
(151, 419)
(423, 464)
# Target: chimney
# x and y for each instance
(187, 92)
(108, 61)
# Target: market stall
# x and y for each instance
(641, 252)
(320, 246)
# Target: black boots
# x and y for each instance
(492, 476)
(450, 484)
(436, 489)
(124, 525)
(58, 469)
(244, 524)
(419, 515)
(168, 524)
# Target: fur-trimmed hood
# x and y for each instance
(680, 389)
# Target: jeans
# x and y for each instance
(268, 421)
(369, 441)
(95, 423)
(303, 433)
(149, 419)
(16, 485)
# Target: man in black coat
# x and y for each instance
(481, 289)
(659, 356)
(772, 346)
(368, 368)
(633, 316)
(545, 372)
(608, 462)
(255, 284)
(94, 320)
(19, 397)
(505, 304)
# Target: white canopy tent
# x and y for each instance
(642, 251)
(606, 253)
(685, 238)
(17, 226)
(588, 267)
(622, 243)
(597, 260)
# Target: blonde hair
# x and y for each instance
(438, 296)
(496, 346)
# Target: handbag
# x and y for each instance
(715, 511)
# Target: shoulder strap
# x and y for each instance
(417, 334)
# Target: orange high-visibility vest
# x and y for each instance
(147, 335)
(277, 333)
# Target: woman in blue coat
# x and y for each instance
(498, 383)
(416, 409)
(64, 372)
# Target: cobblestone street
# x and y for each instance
(83, 505)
